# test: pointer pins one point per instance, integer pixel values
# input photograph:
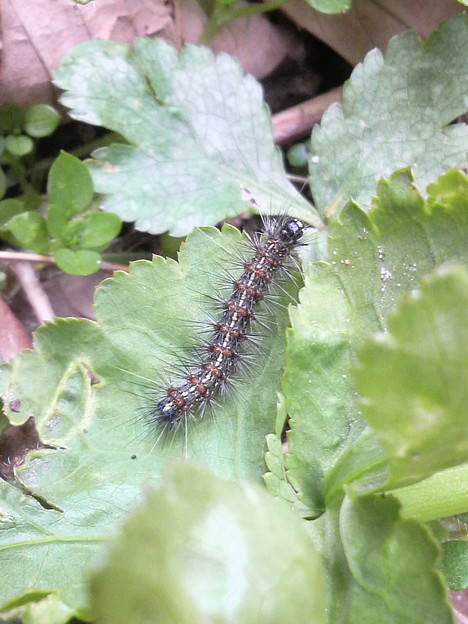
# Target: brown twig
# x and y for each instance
(296, 122)
(33, 290)
(297, 178)
(19, 256)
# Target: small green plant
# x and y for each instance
(370, 379)
(19, 127)
(74, 230)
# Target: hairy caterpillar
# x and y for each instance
(220, 358)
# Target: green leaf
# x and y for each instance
(98, 229)
(414, 379)
(317, 385)
(19, 145)
(450, 192)
(32, 199)
(381, 568)
(79, 262)
(396, 113)
(8, 209)
(298, 155)
(40, 534)
(201, 137)
(38, 608)
(376, 259)
(11, 117)
(362, 466)
(41, 120)
(90, 387)
(3, 183)
(330, 7)
(455, 564)
(30, 231)
(276, 480)
(200, 550)
(441, 495)
(69, 184)
(90, 231)
(58, 217)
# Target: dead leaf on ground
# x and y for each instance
(13, 336)
(370, 23)
(72, 295)
(37, 35)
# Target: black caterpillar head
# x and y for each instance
(291, 231)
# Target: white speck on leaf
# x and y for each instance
(385, 274)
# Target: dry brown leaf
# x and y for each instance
(72, 295)
(370, 23)
(259, 45)
(13, 336)
(36, 36)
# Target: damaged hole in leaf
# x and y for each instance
(94, 379)
(15, 443)
(15, 405)
(40, 499)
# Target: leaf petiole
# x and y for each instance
(439, 496)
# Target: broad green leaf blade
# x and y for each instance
(376, 258)
(455, 564)
(11, 117)
(3, 184)
(317, 385)
(93, 230)
(9, 208)
(414, 379)
(69, 184)
(441, 495)
(19, 145)
(33, 539)
(30, 231)
(330, 7)
(201, 139)
(396, 113)
(362, 466)
(380, 567)
(200, 550)
(41, 608)
(450, 194)
(276, 480)
(58, 217)
(79, 262)
(41, 120)
(98, 229)
(89, 387)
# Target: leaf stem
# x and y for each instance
(19, 170)
(441, 495)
